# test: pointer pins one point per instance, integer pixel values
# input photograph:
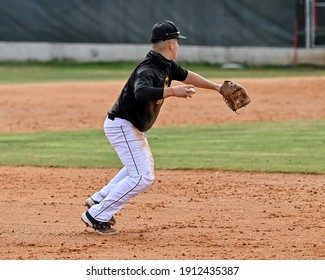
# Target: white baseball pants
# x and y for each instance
(133, 149)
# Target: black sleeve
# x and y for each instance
(179, 73)
(145, 89)
(149, 93)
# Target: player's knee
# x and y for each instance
(148, 179)
(143, 181)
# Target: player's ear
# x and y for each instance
(171, 43)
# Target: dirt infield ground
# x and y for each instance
(186, 214)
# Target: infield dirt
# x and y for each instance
(200, 214)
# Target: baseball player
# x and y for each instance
(133, 114)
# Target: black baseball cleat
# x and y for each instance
(90, 202)
(99, 227)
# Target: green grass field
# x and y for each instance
(296, 146)
(268, 147)
(63, 72)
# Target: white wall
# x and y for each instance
(24, 51)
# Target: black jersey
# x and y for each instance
(142, 96)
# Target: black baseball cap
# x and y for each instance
(165, 30)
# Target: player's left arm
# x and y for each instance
(201, 82)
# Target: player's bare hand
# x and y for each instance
(183, 91)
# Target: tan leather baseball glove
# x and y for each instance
(234, 95)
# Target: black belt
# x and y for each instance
(111, 117)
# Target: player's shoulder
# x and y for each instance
(146, 67)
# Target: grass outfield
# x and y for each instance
(296, 147)
(62, 72)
